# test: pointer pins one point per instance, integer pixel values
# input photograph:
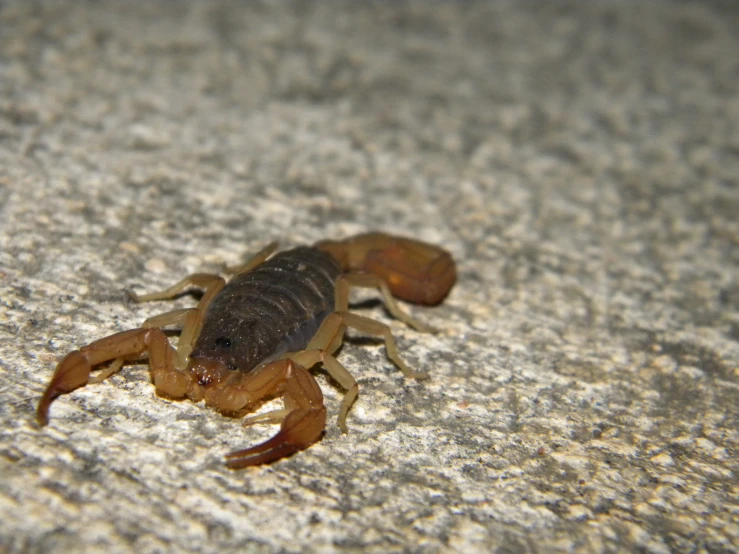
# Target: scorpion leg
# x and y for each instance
(255, 260)
(273, 416)
(73, 371)
(327, 340)
(200, 280)
(191, 319)
(193, 322)
(413, 270)
(175, 317)
(370, 280)
(302, 421)
(309, 358)
(331, 334)
(367, 325)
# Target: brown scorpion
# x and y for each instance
(254, 338)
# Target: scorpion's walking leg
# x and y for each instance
(190, 319)
(302, 420)
(372, 327)
(370, 280)
(200, 280)
(73, 371)
(255, 260)
(309, 358)
(327, 340)
(331, 333)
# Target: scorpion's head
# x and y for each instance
(207, 372)
(217, 385)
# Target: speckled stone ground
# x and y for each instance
(580, 160)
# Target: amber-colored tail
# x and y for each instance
(413, 270)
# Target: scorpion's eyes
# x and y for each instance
(223, 342)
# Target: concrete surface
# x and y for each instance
(580, 160)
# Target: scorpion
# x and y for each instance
(255, 337)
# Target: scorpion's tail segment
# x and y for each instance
(302, 426)
(415, 271)
(72, 373)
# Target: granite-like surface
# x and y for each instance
(581, 161)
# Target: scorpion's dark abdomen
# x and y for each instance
(275, 308)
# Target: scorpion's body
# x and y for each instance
(255, 337)
(270, 310)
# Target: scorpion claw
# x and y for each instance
(263, 454)
(299, 430)
(72, 373)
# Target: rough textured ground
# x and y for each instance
(580, 160)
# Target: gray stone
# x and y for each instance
(580, 160)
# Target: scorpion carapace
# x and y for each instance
(254, 338)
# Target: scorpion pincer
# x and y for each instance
(254, 338)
